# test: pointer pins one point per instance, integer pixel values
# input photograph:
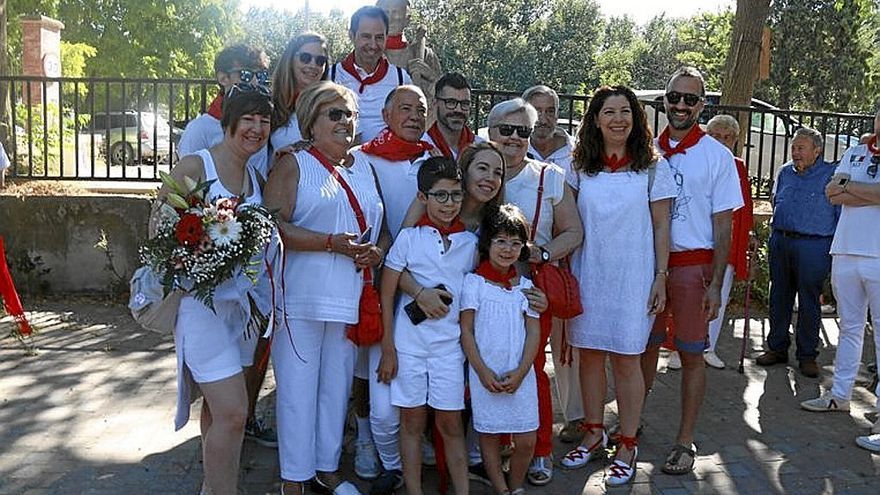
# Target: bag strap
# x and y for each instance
(399, 76)
(538, 206)
(333, 73)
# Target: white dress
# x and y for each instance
(615, 264)
(500, 333)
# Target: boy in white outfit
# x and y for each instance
(422, 359)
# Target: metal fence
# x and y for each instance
(128, 129)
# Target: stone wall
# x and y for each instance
(50, 241)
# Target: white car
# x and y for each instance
(125, 131)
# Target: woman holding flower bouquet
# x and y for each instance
(331, 221)
(210, 338)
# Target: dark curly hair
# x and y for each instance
(590, 144)
(505, 219)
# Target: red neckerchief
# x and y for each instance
(392, 147)
(693, 137)
(872, 145)
(378, 74)
(455, 227)
(464, 140)
(614, 163)
(487, 271)
(216, 108)
(396, 42)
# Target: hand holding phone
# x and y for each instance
(415, 312)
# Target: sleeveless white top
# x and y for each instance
(319, 285)
(218, 190)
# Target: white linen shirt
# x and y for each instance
(372, 100)
(561, 156)
(857, 230)
(399, 184)
(420, 250)
(205, 131)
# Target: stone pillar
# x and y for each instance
(41, 42)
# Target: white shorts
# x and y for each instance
(211, 350)
(437, 381)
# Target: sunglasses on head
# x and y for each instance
(336, 114)
(872, 168)
(690, 99)
(248, 75)
(521, 130)
(239, 88)
(306, 58)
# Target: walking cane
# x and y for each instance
(747, 324)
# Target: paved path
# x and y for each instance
(91, 413)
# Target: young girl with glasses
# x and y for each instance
(499, 334)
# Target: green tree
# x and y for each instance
(271, 30)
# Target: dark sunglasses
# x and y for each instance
(336, 114)
(451, 103)
(239, 88)
(306, 58)
(690, 99)
(872, 168)
(521, 130)
(248, 75)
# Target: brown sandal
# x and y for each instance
(677, 463)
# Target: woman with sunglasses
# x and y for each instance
(557, 232)
(213, 351)
(303, 63)
(624, 195)
(331, 222)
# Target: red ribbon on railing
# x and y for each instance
(10, 296)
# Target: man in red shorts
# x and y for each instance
(708, 192)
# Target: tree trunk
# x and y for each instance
(743, 60)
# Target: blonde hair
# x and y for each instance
(283, 80)
(316, 96)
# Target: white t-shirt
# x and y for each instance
(371, 101)
(455, 153)
(205, 131)
(421, 251)
(707, 183)
(858, 227)
(522, 191)
(561, 156)
(4, 158)
(399, 184)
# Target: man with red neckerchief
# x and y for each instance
(700, 232)
(855, 272)
(366, 70)
(452, 103)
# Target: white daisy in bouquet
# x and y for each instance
(201, 243)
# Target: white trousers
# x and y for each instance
(384, 417)
(312, 395)
(716, 324)
(856, 284)
(568, 382)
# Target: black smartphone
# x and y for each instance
(415, 313)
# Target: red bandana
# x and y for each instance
(396, 42)
(693, 137)
(464, 140)
(216, 108)
(872, 145)
(487, 271)
(613, 163)
(392, 147)
(454, 228)
(378, 74)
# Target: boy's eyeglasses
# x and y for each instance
(306, 58)
(443, 196)
(248, 75)
(516, 245)
(872, 168)
(521, 130)
(451, 103)
(690, 99)
(337, 114)
(239, 88)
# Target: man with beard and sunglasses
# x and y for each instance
(452, 105)
(366, 70)
(234, 64)
(855, 272)
(548, 143)
(700, 232)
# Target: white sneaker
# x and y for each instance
(673, 362)
(826, 403)
(366, 460)
(429, 458)
(869, 442)
(713, 360)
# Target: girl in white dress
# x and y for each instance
(499, 334)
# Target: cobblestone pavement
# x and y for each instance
(91, 413)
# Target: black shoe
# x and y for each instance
(769, 358)
(387, 482)
(478, 473)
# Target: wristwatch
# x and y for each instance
(545, 255)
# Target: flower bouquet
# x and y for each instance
(201, 243)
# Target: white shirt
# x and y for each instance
(205, 131)
(4, 158)
(707, 184)
(421, 251)
(522, 191)
(455, 152)
(561, 156)
(372, 100)
(287, 134)
(857, 230)
(399, 184)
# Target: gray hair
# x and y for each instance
(688, 71)
(811, 134)
(723, 120)
(508, 107)
(540, 89)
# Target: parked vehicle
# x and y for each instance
(132, 137)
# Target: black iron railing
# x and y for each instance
(127, 129)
